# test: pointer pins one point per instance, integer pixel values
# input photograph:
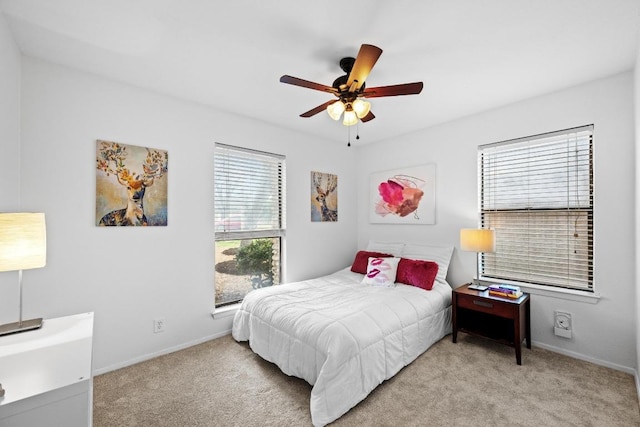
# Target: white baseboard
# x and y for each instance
(159, 353)
(637, 385)
(593, 360)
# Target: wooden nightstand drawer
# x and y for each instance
(484, 305)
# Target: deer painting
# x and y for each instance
(114, 159)
(325, 186)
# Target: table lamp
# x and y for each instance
(477, 240)
(23, 245)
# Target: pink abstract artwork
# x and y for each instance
(404, 196)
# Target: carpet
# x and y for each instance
(474, 382)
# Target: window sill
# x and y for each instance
(226, 311)
(568, 294)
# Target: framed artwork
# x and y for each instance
(131, 185)
(324, 197)
(404, 196)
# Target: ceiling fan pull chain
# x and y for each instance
(348, 136)
(358, 129)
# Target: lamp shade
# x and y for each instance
(361, 108)
(335, 110)
(23, 241)
(477, 240)
(350, 118)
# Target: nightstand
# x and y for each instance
(504, 320)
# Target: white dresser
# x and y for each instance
(47, 374)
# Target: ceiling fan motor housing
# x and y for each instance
(346, 64)
(341, 82)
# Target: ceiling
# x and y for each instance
(471, 55)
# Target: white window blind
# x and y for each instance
(248, 193)
(536, 193)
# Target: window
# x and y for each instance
(536, 193)
(249, 206)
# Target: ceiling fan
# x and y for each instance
(350, 88)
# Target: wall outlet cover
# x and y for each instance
(158, 325)
(562, 320)
(564, 333)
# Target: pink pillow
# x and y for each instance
(362, 260)
(417, 273)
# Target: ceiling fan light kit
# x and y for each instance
(350, 118)
(353, 111)
(350, 88)
(336, 109)
(361, 107)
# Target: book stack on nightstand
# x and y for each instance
(506, 291)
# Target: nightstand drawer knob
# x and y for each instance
(483, 304)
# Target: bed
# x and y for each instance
(342, 333)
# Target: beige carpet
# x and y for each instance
(472, 383)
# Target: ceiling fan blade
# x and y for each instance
(393, 90)
(366, 59)
(318, 109)
(368, 117)
(306, 83)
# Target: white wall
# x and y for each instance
(9, 120)
(637, 207)
(10, 153)
(129, 275)
(604, 332)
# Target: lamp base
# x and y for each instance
(23, 326)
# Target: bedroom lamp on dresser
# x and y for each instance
(23, 245)
(479, 240)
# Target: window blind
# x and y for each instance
(248, 193)
(536, 193)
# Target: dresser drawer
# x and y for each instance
(489, 306)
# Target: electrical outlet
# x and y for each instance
(158, 325)
(563, 320)
(562, 324)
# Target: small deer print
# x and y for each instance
(325, 184)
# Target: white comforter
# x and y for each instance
(341, 336)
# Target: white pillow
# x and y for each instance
(381, 272)
(441, 255)
(392, 248)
